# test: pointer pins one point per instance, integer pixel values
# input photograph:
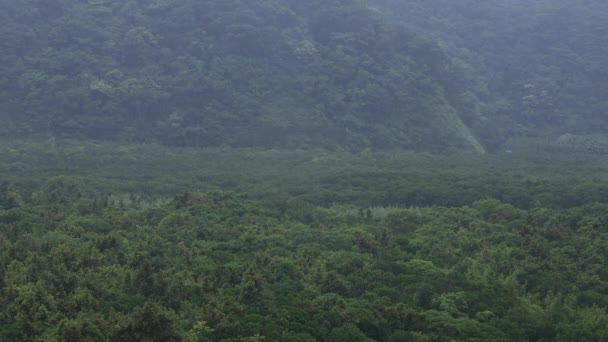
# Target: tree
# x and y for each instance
(147, 324)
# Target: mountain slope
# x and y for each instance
(269, 73)
(543, 61)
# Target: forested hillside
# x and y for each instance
(425, 75)
(299, 171)
(543, 62)
(271, 73)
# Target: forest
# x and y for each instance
(283, 170)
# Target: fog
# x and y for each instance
(292, 170)
(438, 76)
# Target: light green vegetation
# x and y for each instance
(219, 267)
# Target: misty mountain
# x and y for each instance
(303, 170)
(269, 73)
(424, 75)
(543, 61)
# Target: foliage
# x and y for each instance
(287, 129)
(217, 266)
(139, 174)
(541, 63)
(271, 73)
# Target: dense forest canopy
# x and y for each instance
(345, 170)
(219, 267)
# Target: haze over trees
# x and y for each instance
(260, 73)
(424, 75)
(542, 61)
(288, 170)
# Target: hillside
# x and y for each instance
(439, 76)
(300, 171)
(542, 62)
(269, 73)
